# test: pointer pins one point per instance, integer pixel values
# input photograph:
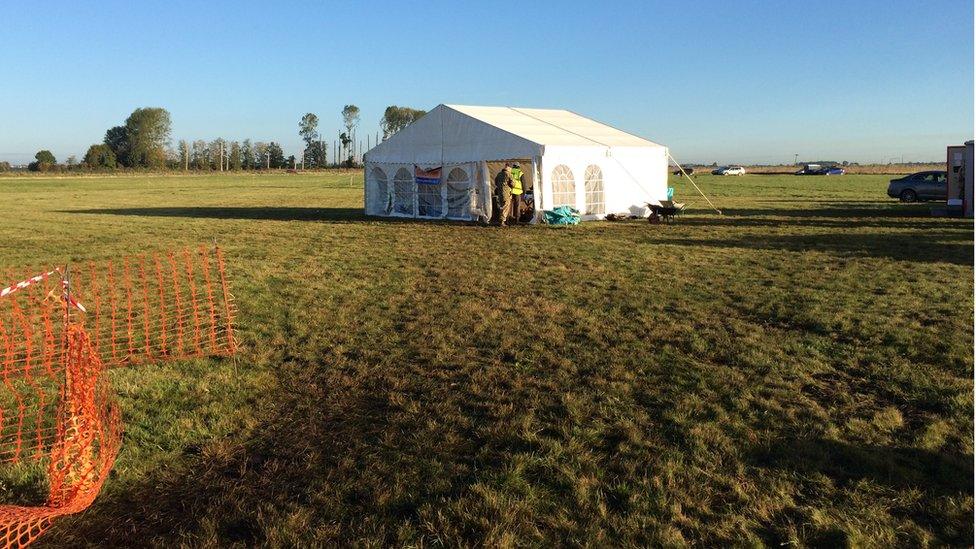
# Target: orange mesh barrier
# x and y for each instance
(59, 330)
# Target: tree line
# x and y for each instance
(221, 155)
(143, 142)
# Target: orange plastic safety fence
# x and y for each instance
(59, 330)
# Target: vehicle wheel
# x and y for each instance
(909, 195)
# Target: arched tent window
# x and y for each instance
(593, 184)
(403, 192)
(459, 194)
(430, 198)
(563, 186)
(379, 193)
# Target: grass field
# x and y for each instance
(796, 371)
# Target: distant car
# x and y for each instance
(810, 169)
(688, 170)
(929, 185)
(729, 170)
(817, 169)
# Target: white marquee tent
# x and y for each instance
(576, 161)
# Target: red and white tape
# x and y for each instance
(25, 283)
(40, 278)
(70, 298)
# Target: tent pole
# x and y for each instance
(682, 170)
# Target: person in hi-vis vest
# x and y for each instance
(518, 186)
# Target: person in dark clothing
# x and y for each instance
(503, 195)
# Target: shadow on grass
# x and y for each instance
(216, 491)
(834, 214)
(330, 460)
(342, 456)
(936, 475)
(943, 246)
(892, 203)
(848, 210)
(267, 213)
(784, 220)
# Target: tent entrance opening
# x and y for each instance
(524, 203)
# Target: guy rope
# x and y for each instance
(684, 173)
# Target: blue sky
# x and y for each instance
(715, 81)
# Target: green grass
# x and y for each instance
(796, 371)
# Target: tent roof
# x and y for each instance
(552, 126)
(457, 133)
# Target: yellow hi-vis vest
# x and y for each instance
(516, 180)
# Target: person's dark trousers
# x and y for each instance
(517, 207)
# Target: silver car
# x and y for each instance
(919, 186)
(729, 170)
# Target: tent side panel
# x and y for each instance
(638, 175)
(366, 190)
(486, 202)
(564, 161)
(631, 177)
(463, 191)
(537, 186)
(377, 197)
(391, 190)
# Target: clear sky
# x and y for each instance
(725, 81)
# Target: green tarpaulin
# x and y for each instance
(562, 215)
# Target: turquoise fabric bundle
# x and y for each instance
(562, 215)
